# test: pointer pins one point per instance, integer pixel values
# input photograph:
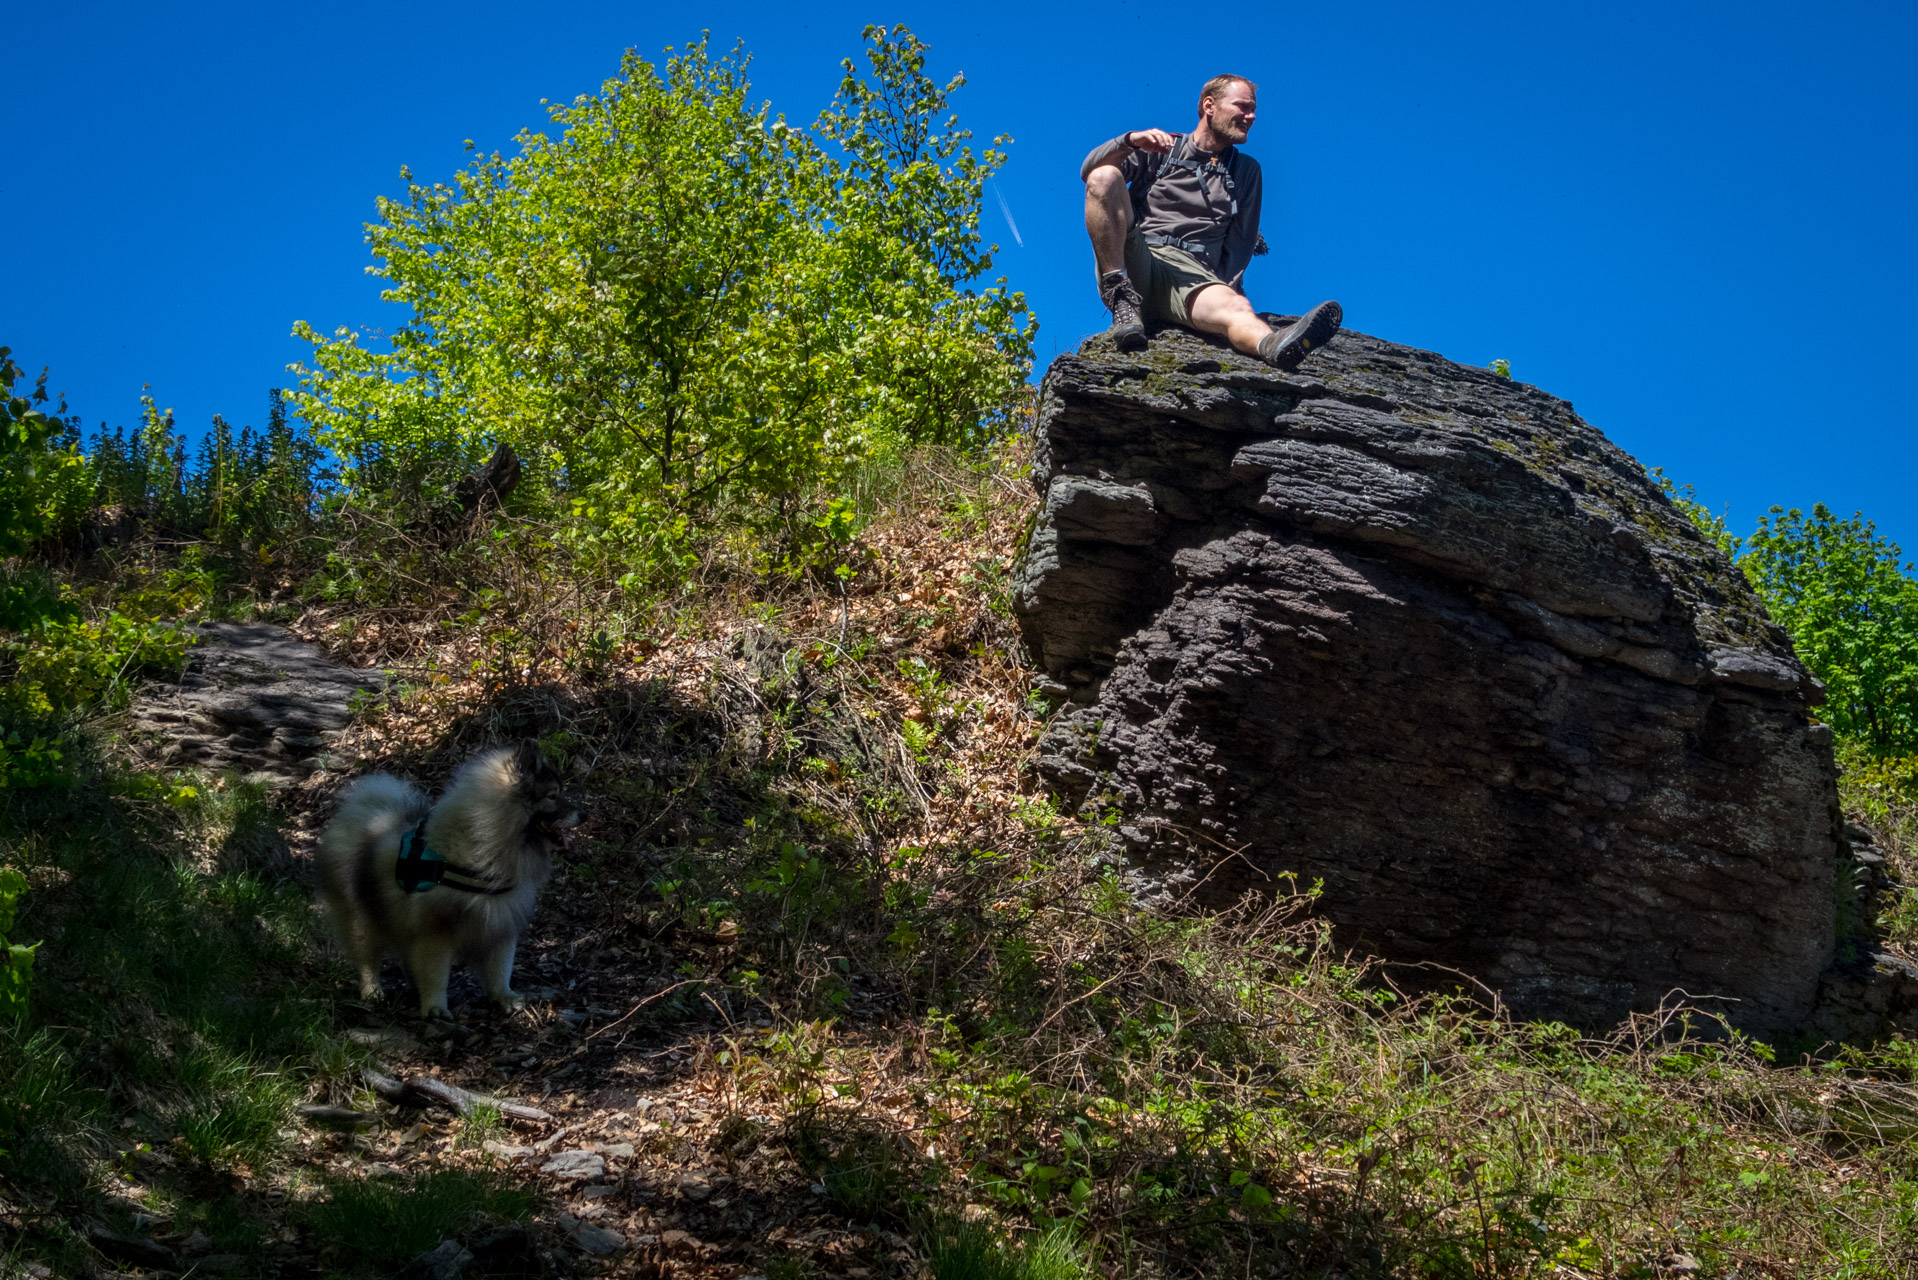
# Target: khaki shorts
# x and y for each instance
(1166, 278)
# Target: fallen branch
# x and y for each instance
(641, 1005)
(336, 1115)
(426, 1091)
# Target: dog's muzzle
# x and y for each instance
(559, 827)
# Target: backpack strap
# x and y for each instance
(1180, 157)
(420, 867)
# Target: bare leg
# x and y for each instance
(497, 969)
(1108, 217)
(1219, 308)
(432, 964)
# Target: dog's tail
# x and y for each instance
(373, 815)
(375, 807)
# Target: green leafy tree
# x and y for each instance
(680, 299)
(1842, 592)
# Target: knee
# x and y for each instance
(1224, 302)
(1105, 183)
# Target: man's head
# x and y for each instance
(1228, 104)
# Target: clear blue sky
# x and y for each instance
(1695, 221)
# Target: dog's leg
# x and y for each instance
(369, 978)
(497, 967)
(366, 957)
(361, 947)
(432, 965)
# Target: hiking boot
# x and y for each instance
(1285, 348)
(1123, 300)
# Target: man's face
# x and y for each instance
(1232, 112)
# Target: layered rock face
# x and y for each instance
(253, 697)
(1425, 635)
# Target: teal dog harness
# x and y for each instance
(420, 867)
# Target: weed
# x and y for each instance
(484, 1123)
(16, 962)
(959, 1250)
(788, 1266)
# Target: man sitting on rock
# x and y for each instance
(1174, 219)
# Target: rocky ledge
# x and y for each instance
(1423, 634)
(253, 698)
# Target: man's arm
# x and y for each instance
(1123, 148)
(1243, 233)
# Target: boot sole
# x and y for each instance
(1313, 330)
(1130, 338)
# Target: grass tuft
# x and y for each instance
(384, 1222)
(961, 1250)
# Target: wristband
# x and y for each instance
(1126, 141)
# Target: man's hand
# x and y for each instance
(1157, 140)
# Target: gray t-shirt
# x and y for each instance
(1210, 200)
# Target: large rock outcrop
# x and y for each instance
(1425, 635)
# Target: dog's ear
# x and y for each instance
(526, 759)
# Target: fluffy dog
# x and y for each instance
(454, 880)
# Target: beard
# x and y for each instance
(1228, 129)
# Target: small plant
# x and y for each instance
(929, 688)
(484, 1123)
(866, 1172)
(31, 760)
(1501, 368)
(919, 738)
(16, 965)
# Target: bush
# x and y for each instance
(61, 665)
(44, 482)
(1842, 592)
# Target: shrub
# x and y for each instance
(251, 489)
(44, 482)
(61, 665)
(1842, 592)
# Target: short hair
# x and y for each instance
(1217, 85)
